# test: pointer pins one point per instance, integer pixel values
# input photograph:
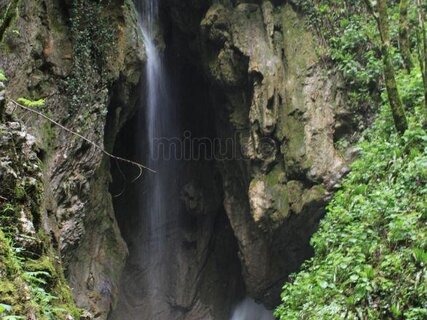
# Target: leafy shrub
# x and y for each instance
(371, 248)
(411, 88)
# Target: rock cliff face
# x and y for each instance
(269, 91)
(49, 49)
(286, 105)
(249, 71)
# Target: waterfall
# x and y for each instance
(158, 125)
(249, 310)
(148, 270)
(153, 202)
(162, 274)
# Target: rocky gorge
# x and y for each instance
(247, 70)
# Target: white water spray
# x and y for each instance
(155, 238)
(148, 269)
(249, 310)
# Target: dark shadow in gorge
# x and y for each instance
(205, 281)
(268, 255)
(206, 275)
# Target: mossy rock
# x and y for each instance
(269, 198)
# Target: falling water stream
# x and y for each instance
(155, 235)
(156, 204)
(148, 268)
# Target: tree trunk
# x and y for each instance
(422, 49)
(404, 42)
(396, 106)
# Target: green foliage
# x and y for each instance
(93, 37)
(351, 38)
(31, 103)
(370, 250)
(32, 284)
(353, 45)
(2, 76)
(411, 87)
(44, 299)
(4, 307)
(7, 16)
(23, 290)
(356, 57)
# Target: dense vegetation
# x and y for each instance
(31, 287)
(371, 248)
(371, 258)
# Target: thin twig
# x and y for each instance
(140, 166)
(124, 179)
(3, 198)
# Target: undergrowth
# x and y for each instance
(371, 248)
(31, 287)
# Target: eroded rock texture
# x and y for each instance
(269, 88)
(48, 50)
(284, 105)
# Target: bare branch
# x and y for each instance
(140, 166)
(124, 179)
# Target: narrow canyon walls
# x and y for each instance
(251, 71)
